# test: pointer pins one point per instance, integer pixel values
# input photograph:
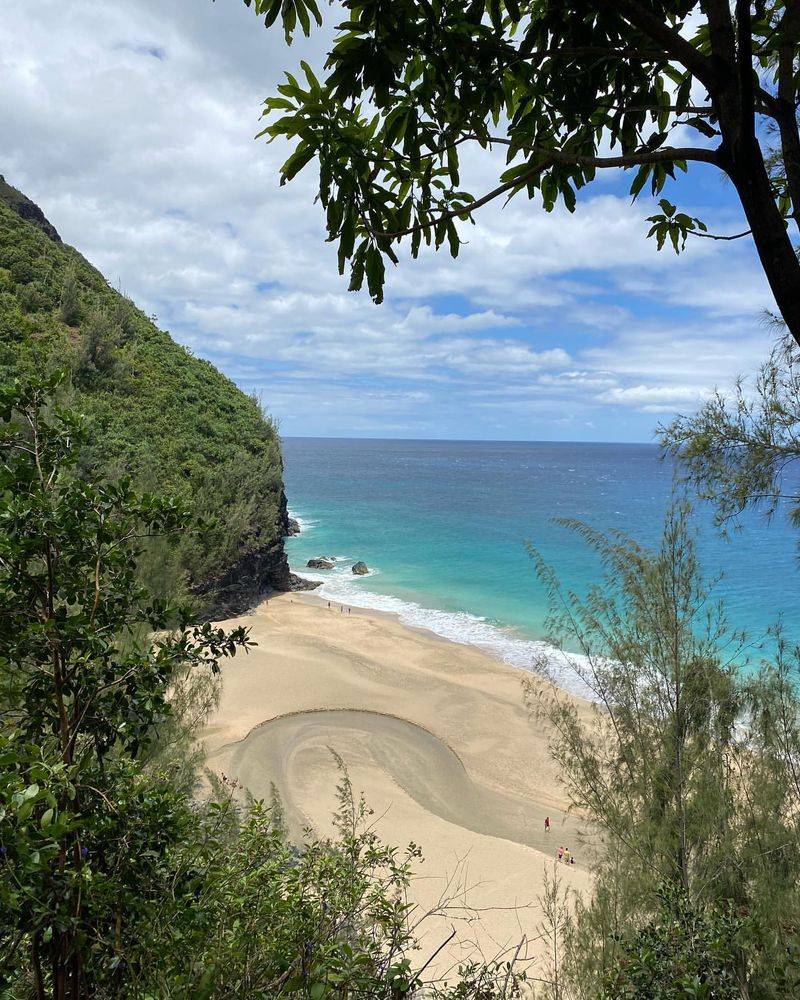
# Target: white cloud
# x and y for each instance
(656, 398)
(132, 125)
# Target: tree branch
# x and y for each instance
(715, 236)
(678, 48)
(465, 210)
(668, 154)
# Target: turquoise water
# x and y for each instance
(443, 525)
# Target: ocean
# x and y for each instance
(443, 527)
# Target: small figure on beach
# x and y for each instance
(572, 861)
(560, 854)
(547, 824)
(567, 855)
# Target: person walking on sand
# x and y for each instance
(547, 824)
(560, 854)
(566, 855)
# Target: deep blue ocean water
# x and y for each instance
(443, 527)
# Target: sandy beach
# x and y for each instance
(437, 737)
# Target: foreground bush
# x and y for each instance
(115, 881)
(687, 768)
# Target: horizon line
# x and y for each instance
(432, 440)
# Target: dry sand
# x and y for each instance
(434, 733)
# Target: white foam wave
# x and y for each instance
(502, 643)
(306, 523)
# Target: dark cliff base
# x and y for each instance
(247, 582)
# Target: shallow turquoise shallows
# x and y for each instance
(443, 526)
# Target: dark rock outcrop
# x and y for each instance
(360, 568)
(27, 209)
(293, 526)
(320, 563)
(250, 578)
(300, 583)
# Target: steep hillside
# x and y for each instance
(170, 420)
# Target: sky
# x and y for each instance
(132, 125)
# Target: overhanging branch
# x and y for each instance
(668, 154)
(716, 236)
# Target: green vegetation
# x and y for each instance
(168, 420)
(116, 878)
(687, 769)
(740, 448)
(549, 86)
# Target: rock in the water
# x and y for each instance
(360, 568)
(321, 563)
(294, 526)
(300, 583)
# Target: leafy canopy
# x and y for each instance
(686, 767)
(168, 420)
(87, 659)
(562, 90)
(741, 449)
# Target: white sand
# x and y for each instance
(434, 733)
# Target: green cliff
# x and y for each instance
(169, 420)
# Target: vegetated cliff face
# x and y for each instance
(158, 414)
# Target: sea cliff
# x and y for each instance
(167, 419)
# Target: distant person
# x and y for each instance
(547, 824)
(572, 861)
(566, 855)
(560, 854)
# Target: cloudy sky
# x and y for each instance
(132, 125)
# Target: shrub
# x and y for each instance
(70, 306)
(23, 272)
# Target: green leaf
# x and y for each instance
(301, 156)
(375, 273)
(667, 207)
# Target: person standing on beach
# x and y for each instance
(547, 824)
(560, 854)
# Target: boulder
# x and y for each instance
(300, 583)
(360, 568)
(320, 563)
(294, 526)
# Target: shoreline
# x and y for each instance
(503, 643)
(434, 733)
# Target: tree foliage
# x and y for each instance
(741, 448)
(117, 878)
(69, 307)
(168, 420)
(564, 90)
(83, 831)
(686, 768)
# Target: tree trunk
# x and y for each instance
(773, 244)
